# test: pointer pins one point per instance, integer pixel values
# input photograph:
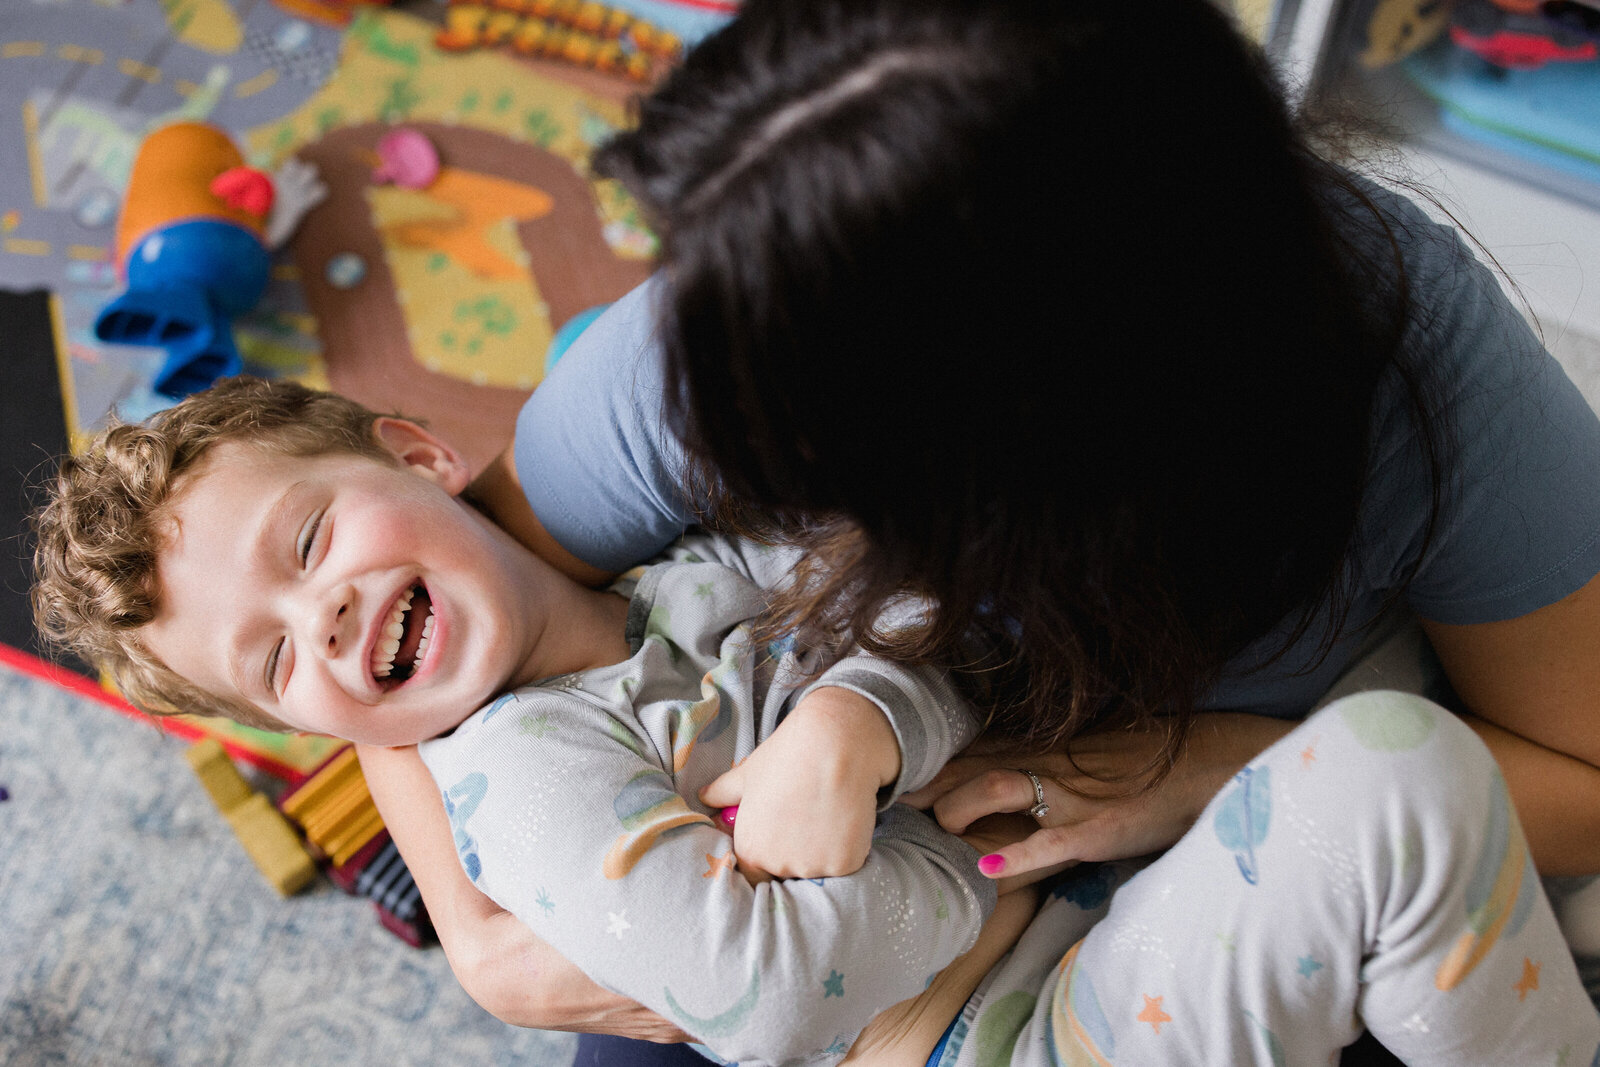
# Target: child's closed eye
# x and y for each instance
(308, 538)
(273, 659)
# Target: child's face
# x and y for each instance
(288, 581)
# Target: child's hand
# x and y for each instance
(807, 795)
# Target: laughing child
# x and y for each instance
(288, 559)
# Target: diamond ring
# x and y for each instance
(1040, 809)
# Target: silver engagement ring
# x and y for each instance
(1040, 809)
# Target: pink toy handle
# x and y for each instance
(407, 158)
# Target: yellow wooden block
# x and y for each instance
(218, 774)
(335, 777)
(266, 835)
(272, 844)
(338, 812)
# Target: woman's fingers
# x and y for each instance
(1045, 851)
(954, 774)
(1000, 789)
(948, 778)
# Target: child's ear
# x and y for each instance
(423, 453)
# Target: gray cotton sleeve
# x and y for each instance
(930, 719)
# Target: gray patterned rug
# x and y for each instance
(134, 931)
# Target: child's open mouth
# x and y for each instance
(404, 640)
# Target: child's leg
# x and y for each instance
(1366, 870)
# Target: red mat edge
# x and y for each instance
(28, 663)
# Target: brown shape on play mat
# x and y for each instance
(362, 327)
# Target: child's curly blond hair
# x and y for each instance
(109, 514)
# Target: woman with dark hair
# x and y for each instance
(1048, 313)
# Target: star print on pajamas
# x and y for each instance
(1529, 980)
(1152, 1013)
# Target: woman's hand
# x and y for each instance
(1091, 818)
(499, 962)
(992, 834)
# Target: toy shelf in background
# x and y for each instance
(1548, 114)
(1497, 120)
(1517, 79)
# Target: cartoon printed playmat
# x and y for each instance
(431, 283)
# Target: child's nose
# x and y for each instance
(338, 622)
(334, 619)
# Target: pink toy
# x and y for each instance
(407, 158)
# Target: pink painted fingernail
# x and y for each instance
(993, 863)
(728, 814)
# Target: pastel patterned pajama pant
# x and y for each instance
(1367, 870)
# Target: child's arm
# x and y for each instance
(569, 822)
(859, 734)
(906, 1034)
(512, 974)
(865, 732)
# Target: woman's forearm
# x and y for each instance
(1532, 684)
(1557, 798)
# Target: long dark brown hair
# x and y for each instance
(1039, 309)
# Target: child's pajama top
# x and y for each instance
(574, 807)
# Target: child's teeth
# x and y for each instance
(426, 639)
(383, 655)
